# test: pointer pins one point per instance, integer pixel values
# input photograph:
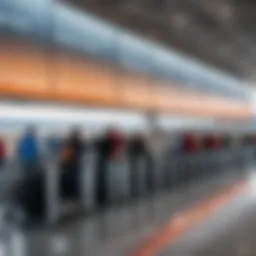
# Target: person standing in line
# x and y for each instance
(72, 153)
(189, 143)
(28, 151)
(2, 153)
(109, 147)
(138, 150)
(30, 191)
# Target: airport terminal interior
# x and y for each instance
(127, 127)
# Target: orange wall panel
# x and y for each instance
(28, 67)
(76, 77)
(32, 73)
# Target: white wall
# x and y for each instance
(15, 116)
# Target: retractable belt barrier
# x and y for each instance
(118, 188)
(88, 181)
(139, 171)
(52, 192)
(185, 167)
(158, 173)
(249, 156)
(169, 168)
(121, 186)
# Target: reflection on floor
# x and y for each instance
(119, 231)
(231, 231)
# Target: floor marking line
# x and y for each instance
(182, 222)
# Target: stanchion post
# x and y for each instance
(52, 179)
(142, 171)
(87, 181)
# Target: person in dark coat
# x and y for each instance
(3, 153)
(109, 147)
(137, 146)
(210, 142)
(72, 153)
(137, 150)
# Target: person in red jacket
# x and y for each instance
(210, 142)
(2, 152)
(190, 144)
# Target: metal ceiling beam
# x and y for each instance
(153, 18)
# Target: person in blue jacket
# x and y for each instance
(28, 151)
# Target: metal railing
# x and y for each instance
(158, 175)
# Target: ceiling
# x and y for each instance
(218, 32)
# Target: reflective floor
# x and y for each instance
(120, 230)
(231, 231)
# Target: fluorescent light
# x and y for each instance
(54, 115)
(50, 116)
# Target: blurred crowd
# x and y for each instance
(111, 146)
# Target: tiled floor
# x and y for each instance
(118, 231)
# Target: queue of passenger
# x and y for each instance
(110, 147)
